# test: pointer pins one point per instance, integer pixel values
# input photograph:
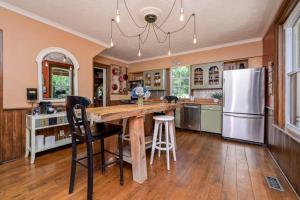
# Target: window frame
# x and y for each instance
(290, 70)
(189, 79)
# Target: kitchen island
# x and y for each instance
(136, 115)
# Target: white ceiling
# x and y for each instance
(218, 22)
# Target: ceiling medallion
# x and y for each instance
(150, 23)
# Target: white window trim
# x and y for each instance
(189, 78)
(288, 27)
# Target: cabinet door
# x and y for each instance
(211, 120)
(215, 71)
(198, 77)
(158, 79)
(148, 79)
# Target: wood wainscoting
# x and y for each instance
(12, 144)
(285, 150)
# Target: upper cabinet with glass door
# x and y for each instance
(205, 76)
(155, 79)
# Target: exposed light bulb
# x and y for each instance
(181, 15)
(64, 59)
(118, 16)
(139, 53)
(195, 39)
(46, 64)
(169, 52)
(111, 42)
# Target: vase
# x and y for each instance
(140, 101)
(216, 100)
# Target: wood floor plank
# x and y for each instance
(207, 167)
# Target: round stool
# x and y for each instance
(157, 143)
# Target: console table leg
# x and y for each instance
(27, 142)
(32, 154)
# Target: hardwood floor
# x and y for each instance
(207, 167)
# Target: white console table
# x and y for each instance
(44, 121)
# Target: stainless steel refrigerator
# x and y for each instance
(244, 104)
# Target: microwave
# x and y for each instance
(136, 83)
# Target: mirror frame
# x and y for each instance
(39, 60)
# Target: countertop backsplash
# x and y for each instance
(204, 94)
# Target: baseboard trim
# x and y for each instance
(285, 177)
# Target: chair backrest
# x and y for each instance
(171, 99)
(76, 114)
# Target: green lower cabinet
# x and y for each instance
(211, 118)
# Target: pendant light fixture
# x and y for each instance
(169, 51)
(139, 52)
(111, 33)
(181, 18)
(195, 37)
(150, 23)
(118, 13)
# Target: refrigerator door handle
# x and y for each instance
(244, 116)
(223, 92)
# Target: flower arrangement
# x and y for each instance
(140, 93)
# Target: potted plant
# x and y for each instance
(217, 96)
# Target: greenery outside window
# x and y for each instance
(180, 81)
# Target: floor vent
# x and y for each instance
(274, 183)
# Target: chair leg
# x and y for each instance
(90, 171)
(73, 166)
(102, 156)
(167, 144)
(154, 141)
(172, 136)
(120, 141)
(160, 135)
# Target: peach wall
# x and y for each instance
(23, 39)
(251, 50)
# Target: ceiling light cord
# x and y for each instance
(157, 38)
(167, 17)
(132, 16)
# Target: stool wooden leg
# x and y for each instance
(154, 141)
(167, 144)
(172, 136)
(160, 135)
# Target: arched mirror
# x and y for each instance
(57, 70)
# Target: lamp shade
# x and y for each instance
(31, 94)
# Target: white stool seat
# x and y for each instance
(169, 143)
(163, 118)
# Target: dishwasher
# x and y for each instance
(191, 117)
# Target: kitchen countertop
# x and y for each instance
(188, 101)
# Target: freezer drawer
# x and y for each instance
(211, 119)
(243, 127)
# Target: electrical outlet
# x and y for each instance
(61, 133)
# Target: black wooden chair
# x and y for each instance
(81, 131)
